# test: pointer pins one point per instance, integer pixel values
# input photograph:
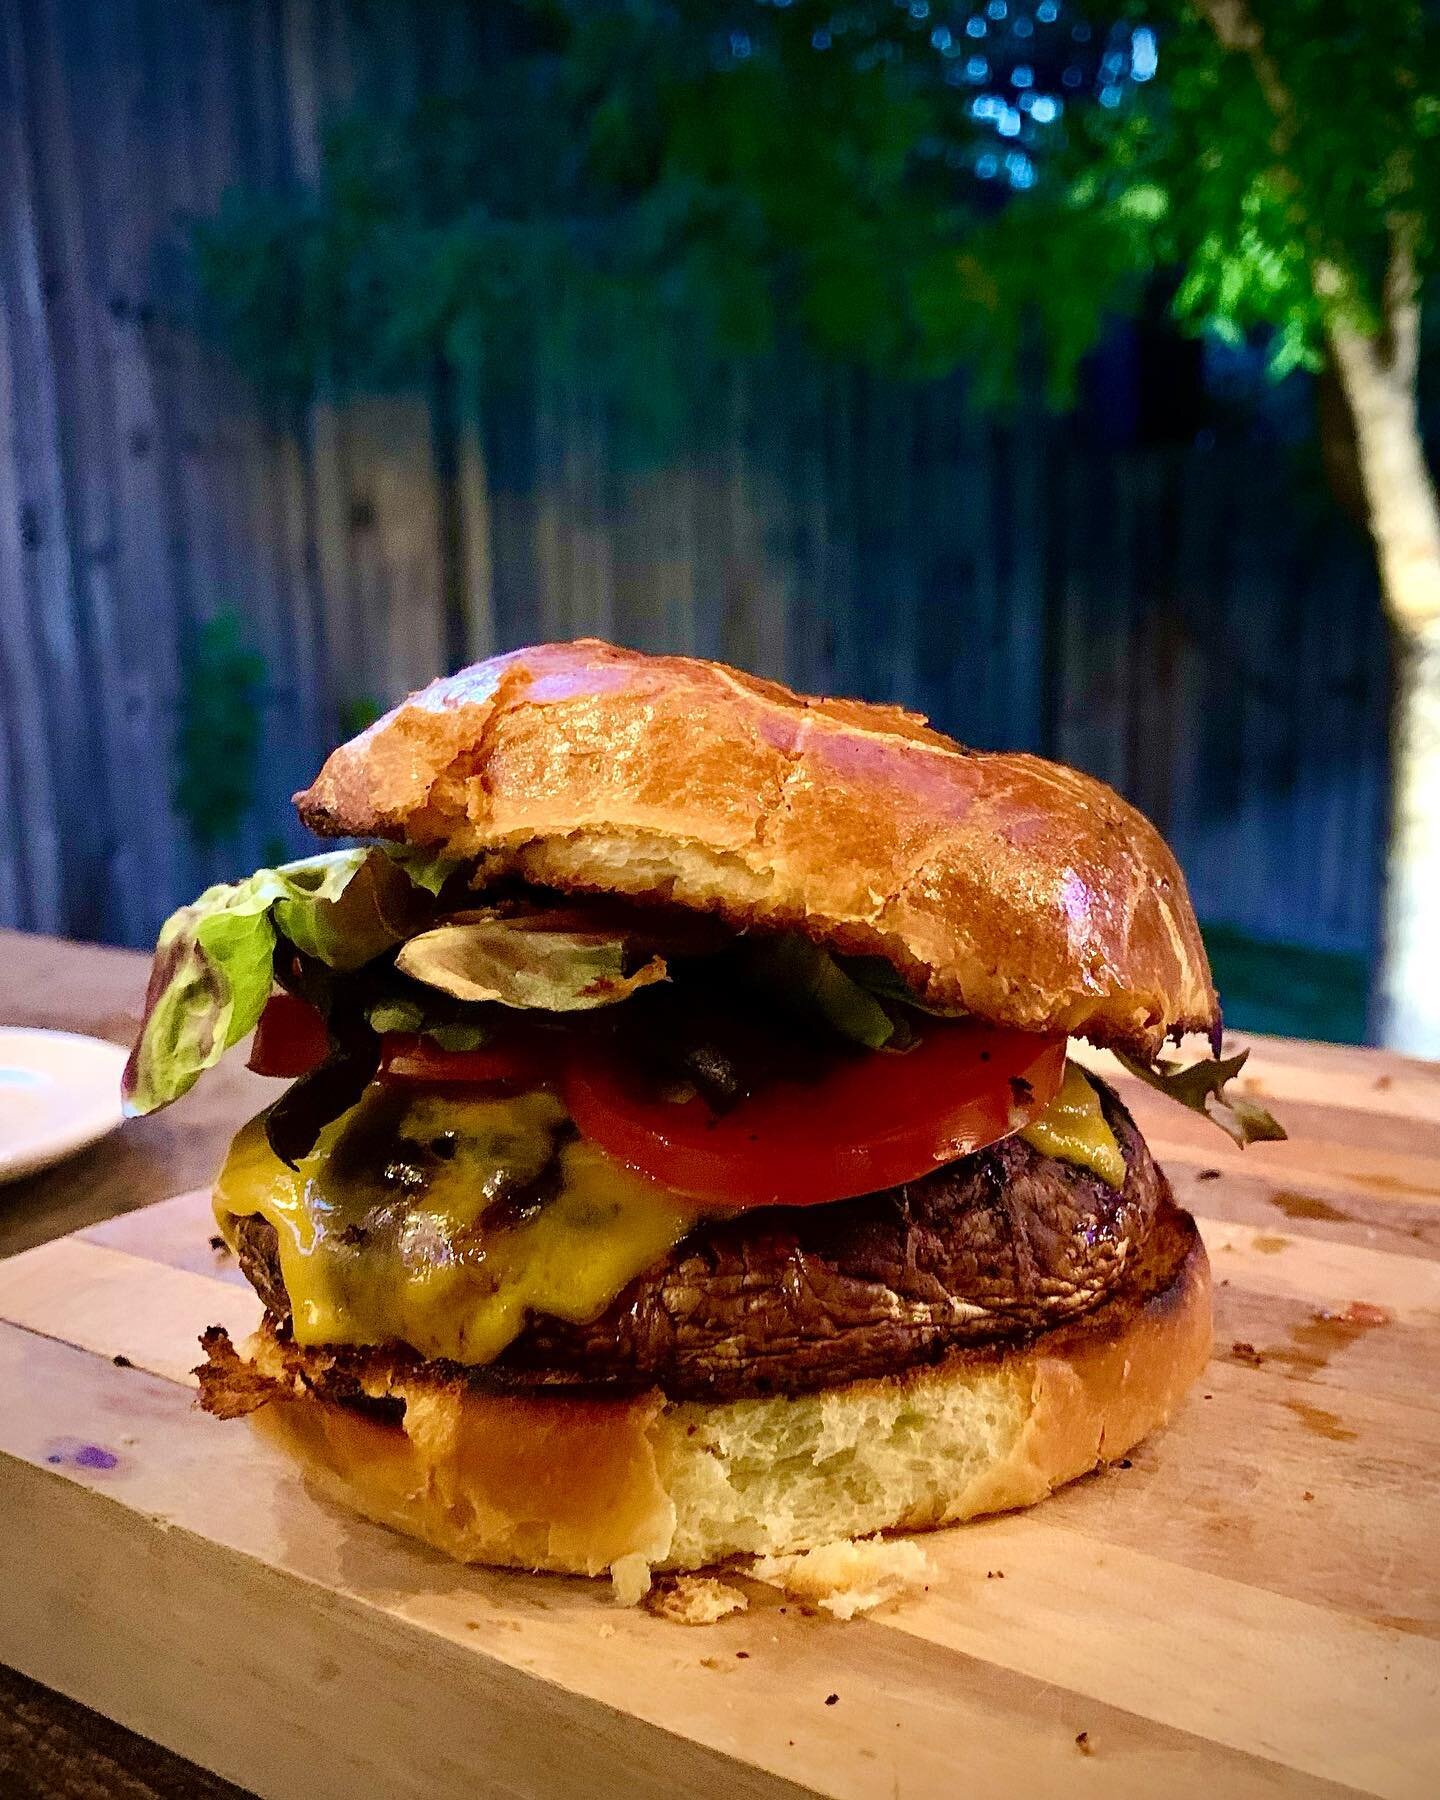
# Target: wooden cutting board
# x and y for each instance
(1251, 1606)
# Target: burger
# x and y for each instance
(680, 1157)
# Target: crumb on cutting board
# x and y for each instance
(849, 1576)
(694, 1599)
(843, 1578)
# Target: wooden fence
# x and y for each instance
(1180, 620)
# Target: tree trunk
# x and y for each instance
(1408, 985)
(1379, 383)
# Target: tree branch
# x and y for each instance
(1236, 28)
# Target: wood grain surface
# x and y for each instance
(1252, 1605)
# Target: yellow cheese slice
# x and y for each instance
(1073, 1129)
(415, 1219)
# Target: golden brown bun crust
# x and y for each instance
(581, 1486)
(1027, 893)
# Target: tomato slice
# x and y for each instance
(871, 1122)
(404, 1057)
(290, 1039)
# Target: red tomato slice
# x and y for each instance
(290, 1039)
(872, 1122)
(407, 1058)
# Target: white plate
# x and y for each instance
(58, 1093)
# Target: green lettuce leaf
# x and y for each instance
(808, 979)
(1201, 1086)
(214, 961)
(370, 909)
(880, 978)
(410, 1016)
(425, 868)
(518, 962)
(396, 1015)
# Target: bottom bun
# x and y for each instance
(589, 1486)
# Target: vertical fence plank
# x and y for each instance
(477, 537)
(1264, 655)
(40, 673)
(33, 874)
(114, 123)
(1082, 733)
(842, 626)
(14, 897)
(805, 481)
(1189, 614)
(1017, 660)
(394, 533)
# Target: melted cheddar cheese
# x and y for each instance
(442, 1223)
(1074, 1129)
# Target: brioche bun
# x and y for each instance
(1024, 892)
(628, 1485)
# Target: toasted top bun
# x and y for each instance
(1021, 890)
